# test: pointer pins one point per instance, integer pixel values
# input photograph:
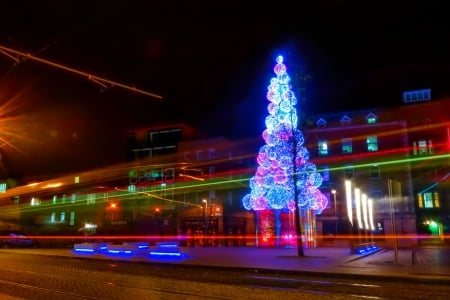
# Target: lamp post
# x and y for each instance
(333, 191)
(205, 207)
(392, 209)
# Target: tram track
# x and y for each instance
(47, 277)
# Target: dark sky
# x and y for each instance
(210, 60)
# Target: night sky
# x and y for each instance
(210, 60)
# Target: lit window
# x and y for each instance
(132, 188)
(371, 118)
(323, 147)
(372, 143)
(2, 187)
(428, 200)
(62, 217)
(422, 147)
(72, 218)
(436, 200)
(420, 200)
(35, 201)
(55, 199)
(347, 146)
(90, 198)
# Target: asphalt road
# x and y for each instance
(24, 275)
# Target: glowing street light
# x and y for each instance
(335, 210)
(205, 207)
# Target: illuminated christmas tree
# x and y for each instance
(284, 170)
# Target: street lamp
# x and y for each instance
(205, 207)
(333, 191)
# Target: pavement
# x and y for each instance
(384, 263)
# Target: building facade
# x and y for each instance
(398, 156)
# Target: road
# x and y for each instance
(30, 276)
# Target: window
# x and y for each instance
(199, 155)
(169, 174)
(419, 95)
(2, 187)
(323, 147)
(348, 172)
(436, 200)
(90, 198)
(346, 121)
(212, 171)
(420, 147)
(372, 143)
(35, 201)
(321, 123)
(430, 147)
(187, 155)
(55, 199)
(428, 200)
(420, 200)
(212, 153)
(374, 171)
(371, 118)
(347, 146)
(62, 217)
(72, 218)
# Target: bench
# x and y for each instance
(166, 249)
(129, 248)
(90, 247)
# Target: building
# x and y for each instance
(177, 182)
(398, 156)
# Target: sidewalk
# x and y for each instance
(324, 260)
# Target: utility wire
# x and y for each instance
(14, 54)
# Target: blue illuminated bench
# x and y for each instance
(166, 249)
(90, 247)
(129, 248)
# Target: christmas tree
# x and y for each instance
(284, 170)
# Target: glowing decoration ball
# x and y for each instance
(273, 185)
